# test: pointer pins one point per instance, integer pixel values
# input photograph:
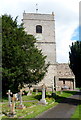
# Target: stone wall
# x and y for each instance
(46, 39)
(49, 77)
(65, 76)
(49, 50)
(68, 84)
(46, 42)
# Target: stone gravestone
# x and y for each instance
(36, 91)
(12, 112)
(61, 90)
(43, 100)
(20, 106)
(53, 92)
(9, 97)
(17, 95)
(30, 91)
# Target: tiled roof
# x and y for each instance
(64, 71)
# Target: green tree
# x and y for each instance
(0, 57)
(22, 62)
(75, 61)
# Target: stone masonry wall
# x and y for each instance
(46, 42)
(49, 77)
(46, 39)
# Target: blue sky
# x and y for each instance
(79, 33)
(66, 19)
(75, 36)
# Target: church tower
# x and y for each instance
(42, 26)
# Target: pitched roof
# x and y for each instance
(64, 71)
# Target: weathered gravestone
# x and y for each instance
(53, 91)
(20, 106)
(9, 97)
(17, 95)
(36, 91)
(30, 91)
(61, 90)
(43, 100)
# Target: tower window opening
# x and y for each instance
(38, 29)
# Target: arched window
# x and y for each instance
(38, 29)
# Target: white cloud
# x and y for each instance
(63, 42)
(66, 18)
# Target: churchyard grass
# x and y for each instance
(77, 113)
(31, 103)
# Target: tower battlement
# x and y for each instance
(38, 16)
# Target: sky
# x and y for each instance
(66, 19)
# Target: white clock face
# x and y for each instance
(39, 37)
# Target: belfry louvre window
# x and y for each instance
(38, 29)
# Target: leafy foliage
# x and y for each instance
(22, 61)
(75, 61)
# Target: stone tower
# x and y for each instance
(42, 26)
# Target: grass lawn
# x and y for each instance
(32, 108)
(77, 113)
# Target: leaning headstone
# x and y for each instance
(43, 100)
(20, 106)
(9, 97)
(30, 92)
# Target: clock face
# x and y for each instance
(39, 37)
